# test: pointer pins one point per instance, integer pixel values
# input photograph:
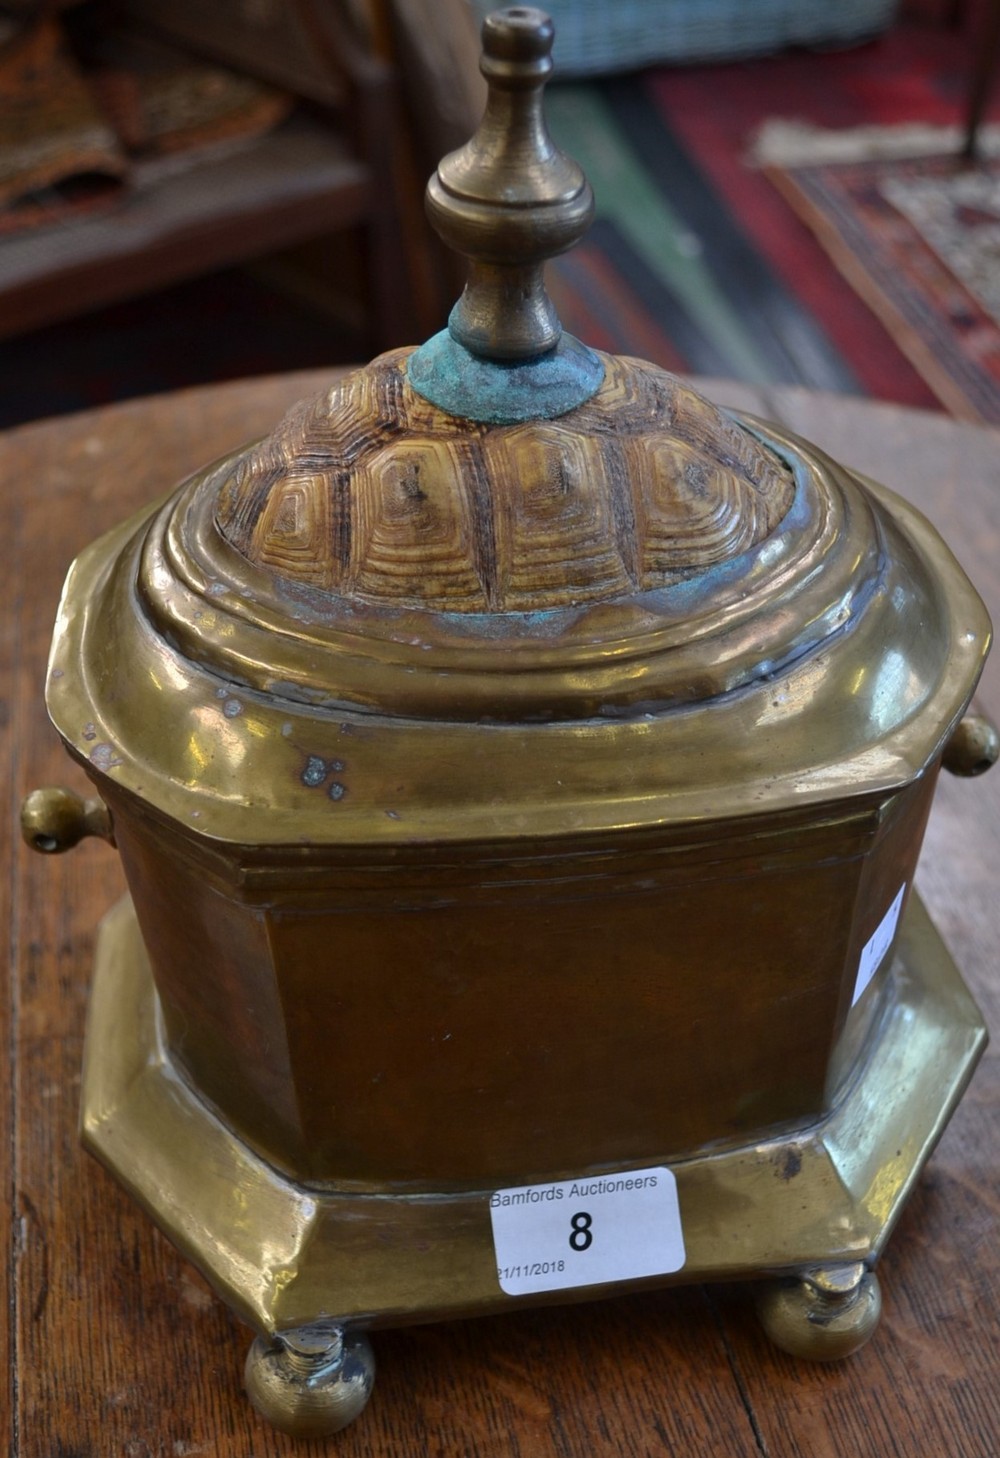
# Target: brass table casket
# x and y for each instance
(519, 767)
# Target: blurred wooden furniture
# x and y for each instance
(111, 1345)
(320, 173)
(986, 53)
(435, 48)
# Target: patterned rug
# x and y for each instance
(77, 125)
(916, 232)
(666, 271)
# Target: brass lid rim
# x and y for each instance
(691, 641)
(861, 716)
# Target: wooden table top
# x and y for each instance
(114, 1348)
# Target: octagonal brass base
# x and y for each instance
(283, 1255)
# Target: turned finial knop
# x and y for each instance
(509, 199)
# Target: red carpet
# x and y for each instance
(919, 72)
(917, 236)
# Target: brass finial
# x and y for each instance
(509, 199)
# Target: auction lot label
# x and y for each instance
(587, 1231)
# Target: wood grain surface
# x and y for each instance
(113, 1348)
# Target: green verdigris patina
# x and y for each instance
(504, 392)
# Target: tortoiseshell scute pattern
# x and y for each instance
(368, 491)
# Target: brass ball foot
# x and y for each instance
(823, 1315)
(311, 1381)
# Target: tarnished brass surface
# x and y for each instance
(509, 198)
(262, 714)
(823, 1315)
(508, 799)
(974, 747)
(449, 1033)
(280, 1251)
(311, 1381)
(312, 803)
(55, 820)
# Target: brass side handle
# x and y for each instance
(54, 820)
(974, 746)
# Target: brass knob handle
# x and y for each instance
(974, 746)
(509, 198)
(54, 820)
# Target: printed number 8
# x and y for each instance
(582, 1237)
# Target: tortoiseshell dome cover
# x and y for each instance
(370, 492)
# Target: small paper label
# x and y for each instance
(587, 1231)
(874, 950)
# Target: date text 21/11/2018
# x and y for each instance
(530, 1268)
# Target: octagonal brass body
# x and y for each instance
(507, 800)
(417, 958)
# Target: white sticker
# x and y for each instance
(587, 1231)
(878, 944)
